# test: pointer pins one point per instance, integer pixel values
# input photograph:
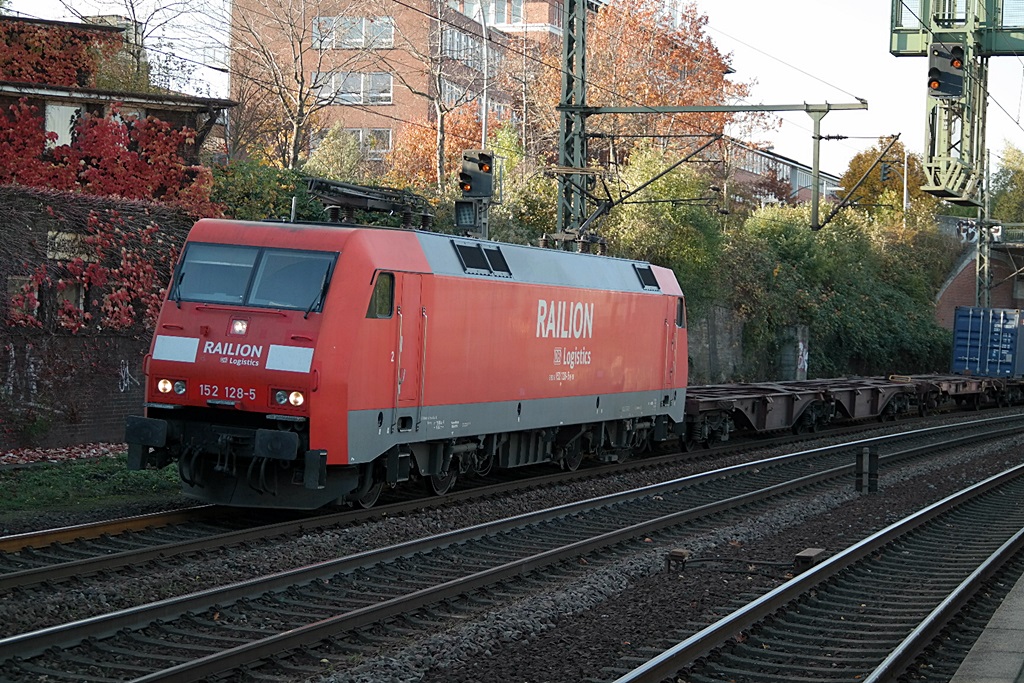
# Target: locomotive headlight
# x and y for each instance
(239, 327)
(164, 386)
(285, 397)
(179, 387)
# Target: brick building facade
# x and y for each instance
(1007, 281)
(380, 65)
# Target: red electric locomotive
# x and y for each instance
(300, 365)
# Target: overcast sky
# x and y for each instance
(809, 51)
(818, 51)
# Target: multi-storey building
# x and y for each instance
(380, 64)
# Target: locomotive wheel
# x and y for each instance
(573, 458)
(369, 499)
(440, 484)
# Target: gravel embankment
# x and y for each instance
(572, 631)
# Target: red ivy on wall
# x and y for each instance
(130, 158)
(122, 269)
(52, 54)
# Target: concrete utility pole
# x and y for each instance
(573, 220)
(572, 131)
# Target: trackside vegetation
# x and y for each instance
(81, 484)
(865, 285)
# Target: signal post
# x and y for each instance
(476, 181)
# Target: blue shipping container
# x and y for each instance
(987, 342)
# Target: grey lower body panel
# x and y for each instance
(372, 432)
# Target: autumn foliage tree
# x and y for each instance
(875, 194)
(412, 162)
(640, 55)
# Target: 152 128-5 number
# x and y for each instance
(217, 391)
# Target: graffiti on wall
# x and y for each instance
(125, 380)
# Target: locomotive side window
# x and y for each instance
(383, 298)
(234, 274)
(680, 313)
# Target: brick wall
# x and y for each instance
(68, 390)
(960, 289)
(60, 386)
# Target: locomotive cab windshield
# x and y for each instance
(253, 276)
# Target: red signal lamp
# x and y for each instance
(956, 57)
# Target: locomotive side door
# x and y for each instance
(410, 347)
(674, 325)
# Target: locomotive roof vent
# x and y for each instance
(477, 259)
(647, 278)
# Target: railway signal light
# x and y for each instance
(946, 70)
(477, 176)
(886, 171)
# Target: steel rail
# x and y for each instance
(914, 644)
(67, 534)
(36, 642)
(672, 660)
(133, 557)
(30, 644)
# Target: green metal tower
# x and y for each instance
(958, 37)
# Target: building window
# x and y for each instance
(22, 298)
(349, 88)
(517, 12)
(499, 12)
(377, 88)
(354, 88)
(62, 119)
(348, 33)
(352, 33)
(356, 133)
(463, 47)
(374, 143)
(71, 294)
(451, 94)
(378, 143)
(379, 32)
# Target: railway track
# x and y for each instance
(870, 611)
(54, 555)
(221, 629)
